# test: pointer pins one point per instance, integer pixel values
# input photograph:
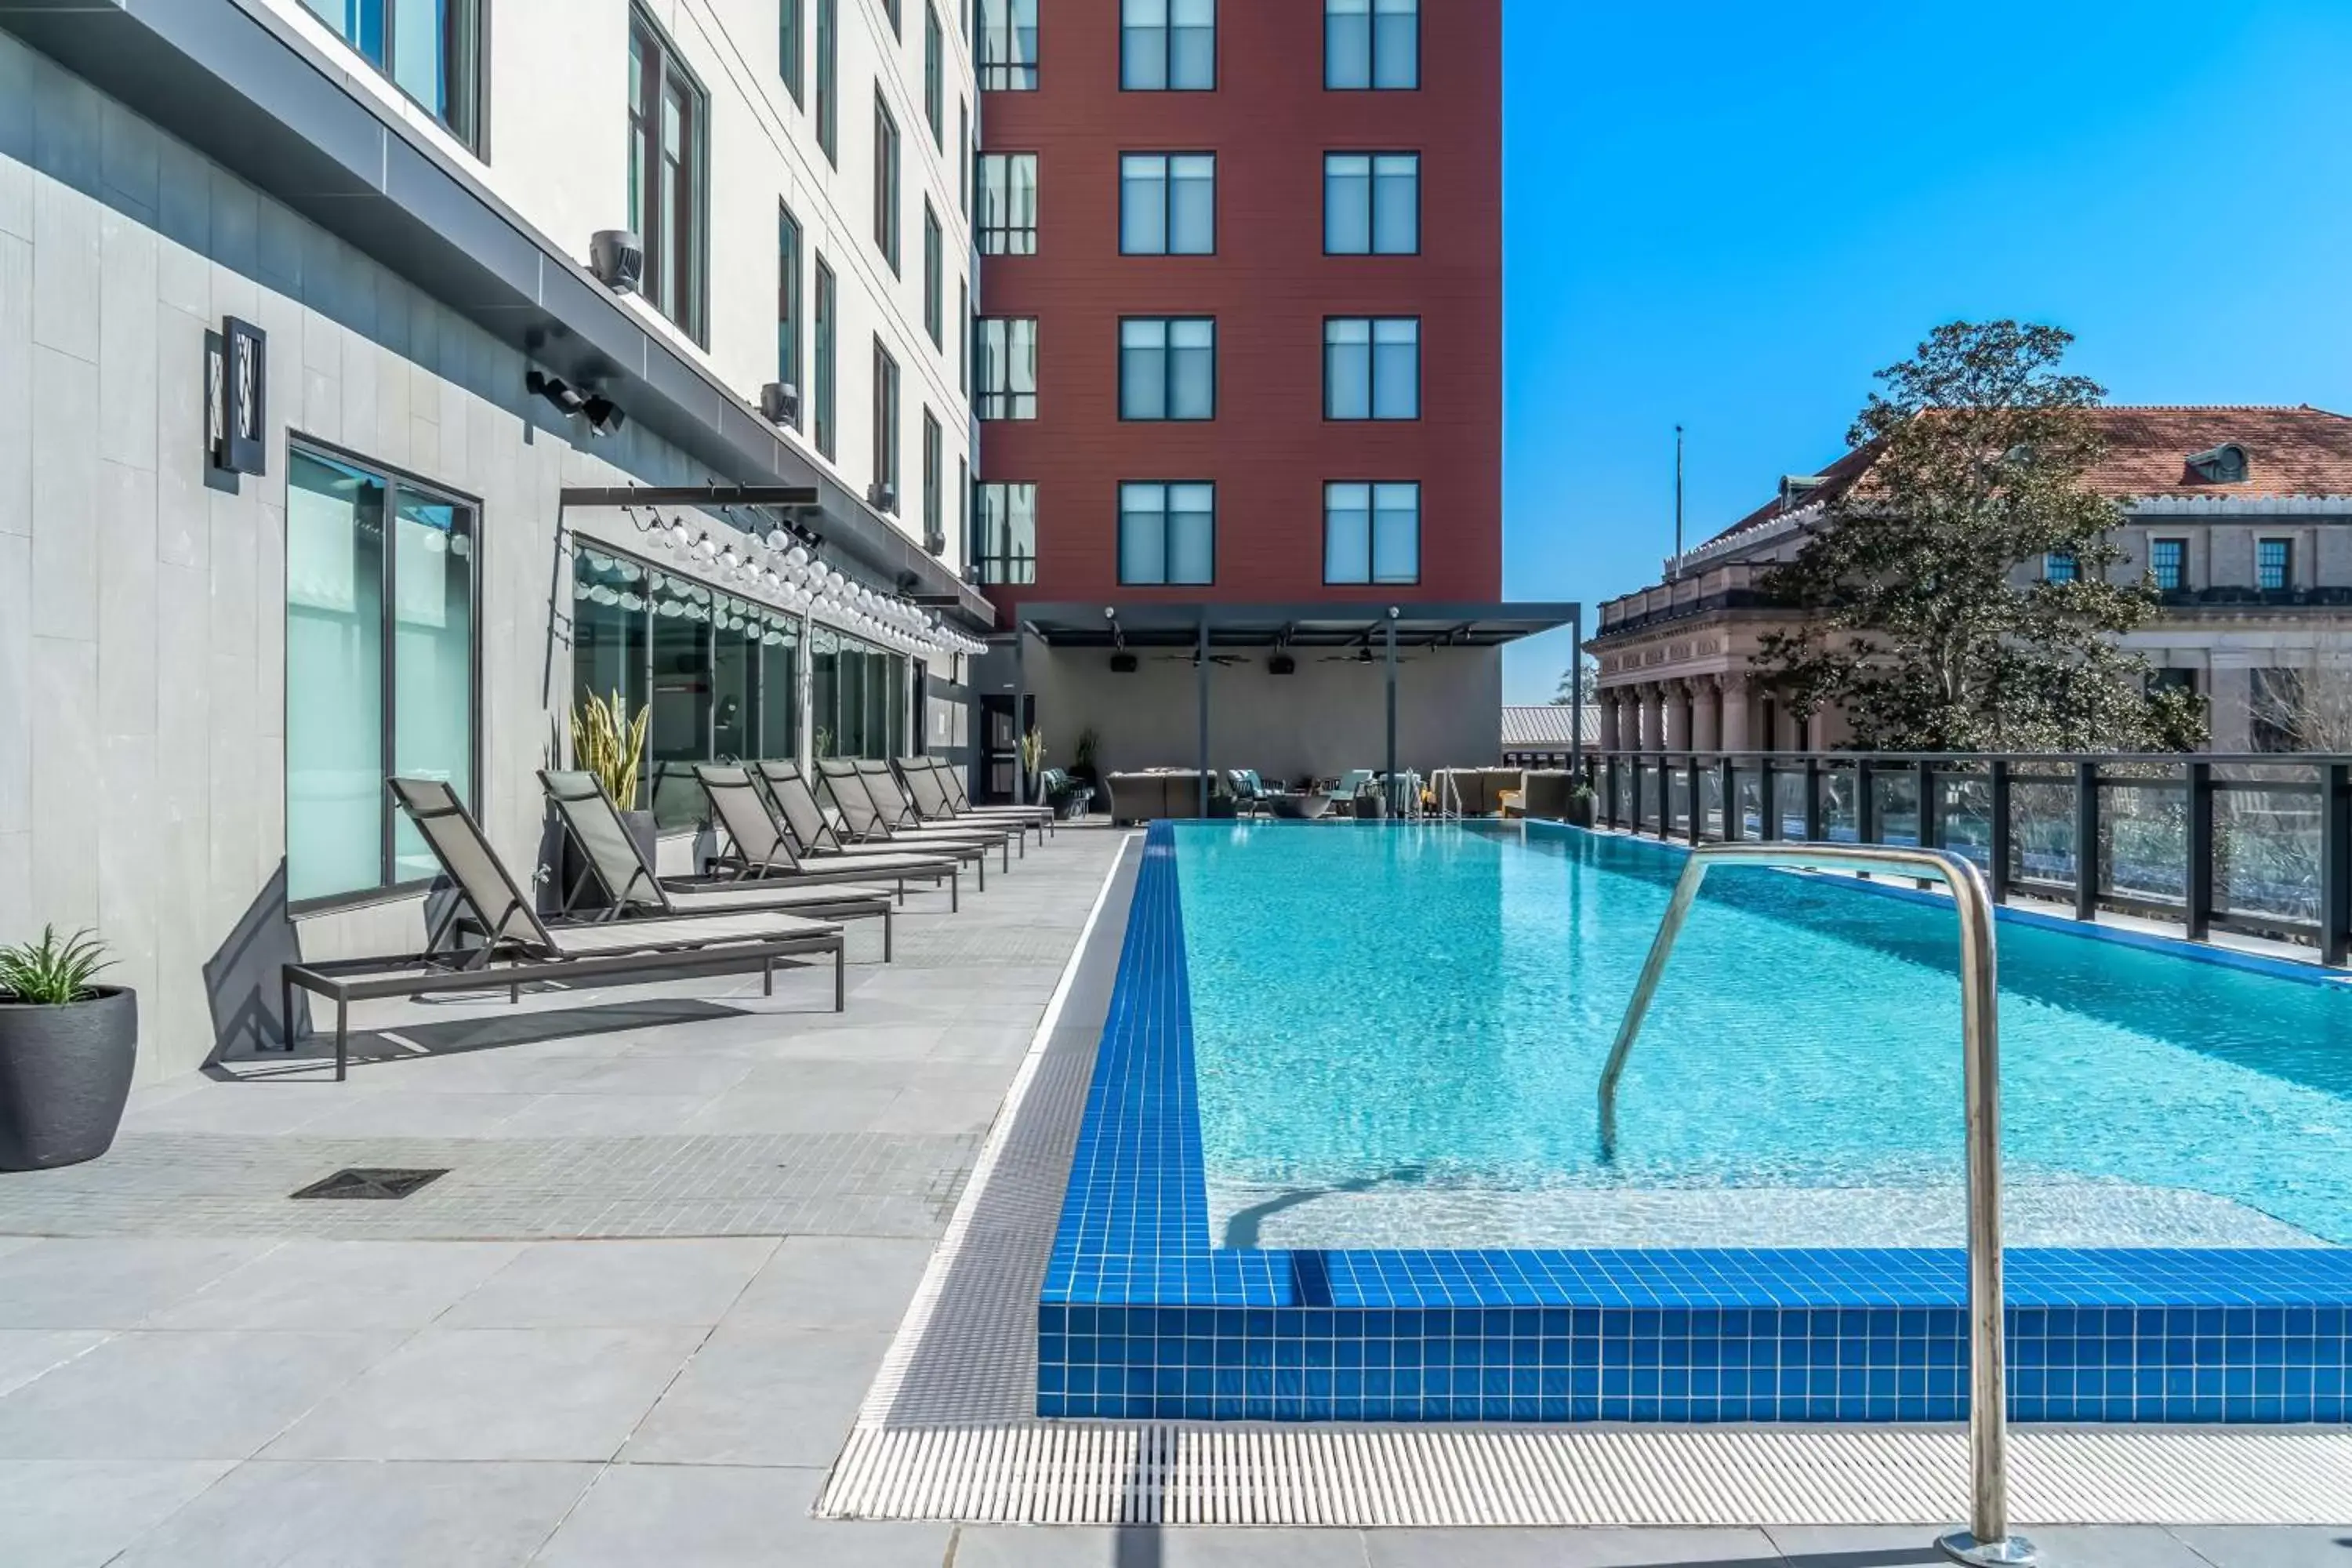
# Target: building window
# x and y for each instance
(2274, 565)
(380, 611)
(885, 430)
(791, 47)
(935, 531)
(2058, 566)
(1008, 367)
(1168, 368)
(1372, 43)
(788, 304)
(667, 163)
(963, 160)
(934, 282)
(827, 328)
(898, 21)
(1008, 45)
(1371, 534)
(1167, 45)
(963, 337)
(885, 181)
(2163, 680)
(828, 79)
(1008, 203)
(431, 50)
(935, 76)
(1168, 203)
(1371, 367)
(1167, 533)
(964, 499)
(1004, 533)
(1372, 203)
(2168, 562)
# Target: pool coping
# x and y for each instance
(1142, 1316)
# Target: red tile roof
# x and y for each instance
(2289, 451)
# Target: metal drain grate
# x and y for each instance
(368, 1183)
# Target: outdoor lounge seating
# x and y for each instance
(934, 802)
(1475, 792)
(1162, 793)
(814, 836)
(632, 889)
(513, 945)
(760, 847)
(897, 818)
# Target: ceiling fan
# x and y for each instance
(1194, 660)
(1364, 656)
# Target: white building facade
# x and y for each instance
(314, 417)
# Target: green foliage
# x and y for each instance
(608, 744)
(50, 973)
(1917, 627)
(1579, 681)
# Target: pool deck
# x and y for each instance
(636, 1321)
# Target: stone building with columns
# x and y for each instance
(2241, 516)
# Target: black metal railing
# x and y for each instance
(2259, 845)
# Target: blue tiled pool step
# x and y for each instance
(1142, 1318)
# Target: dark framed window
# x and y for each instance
(2168, 564)
(1371, 45)
(1008, 367)
(963, 337)
(668, 172)
(885, 181)
(828, 327)
(1371, 367)
(934, 278)
(963, 158)
(1004, 533)
(935, 528)
(789, 311)
(935, 75)
(964, 499)
(1167, 367)
(430, 49)
(1008, 45)
(792, 48)
(1168, 203)
(2274, 565)
(898, 21)
(1372, 203)
(1167, 532)
(2168, 680)
(828, 80)
(1008, 203)
(1371, 532)
(2058, 566)
(381, 666)
(886, 431)
(1167, 45)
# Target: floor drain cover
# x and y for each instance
(370, 1183)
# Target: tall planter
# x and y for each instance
(65, 1075)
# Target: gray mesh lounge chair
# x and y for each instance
(513, 945)
(902, 821)
(858, 817)
(814, 833)
(922, 777)
(758, 846)
(634, 890)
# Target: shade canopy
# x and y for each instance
(1113, 625)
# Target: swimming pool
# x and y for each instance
(1373, 1049)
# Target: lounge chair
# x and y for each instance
(514, 946)
(759, 849)
(899, 821)
(804, 820)
(632, 889)
(856, 821)
(933, 803)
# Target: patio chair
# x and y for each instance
(632, 889)
(813, 836)
(902, 820)
(858, 817)
(922, 777)
(758, 848)
(514, 946)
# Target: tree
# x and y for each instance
(1580, 683)
(2307, 707)
(1977, 451)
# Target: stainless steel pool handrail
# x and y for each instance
(1986, 1541)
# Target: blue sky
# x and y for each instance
(1727, 213)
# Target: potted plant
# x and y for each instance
(1081, 757)
(67, 1051)
(1579, 804)
(1033, 757)
(606, 742)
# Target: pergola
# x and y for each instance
(1323, 625)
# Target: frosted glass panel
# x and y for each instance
(433, 660)
(334, 679)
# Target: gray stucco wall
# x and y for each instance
(142, 612)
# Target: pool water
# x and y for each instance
(1399, 1030)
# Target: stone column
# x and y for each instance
(1735, 701)
(1609, 728)
(1675, 697)
(1706, 713)
(1654, 717)
(2230, 706)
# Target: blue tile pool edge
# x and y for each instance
(1141, 1317)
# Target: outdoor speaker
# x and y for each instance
(780, 404)
(1122, 664)
(1281, 663)
(617, 258)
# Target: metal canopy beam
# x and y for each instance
(689, 495)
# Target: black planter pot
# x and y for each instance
(1579, 811)
(65, 1073)
(576, 870)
